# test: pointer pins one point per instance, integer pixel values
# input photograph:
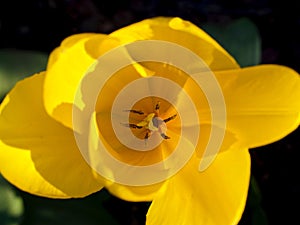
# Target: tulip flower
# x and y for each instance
(156, 111)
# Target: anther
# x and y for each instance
(170, 118)
(132, 125)
(135, 111)
(157, 106)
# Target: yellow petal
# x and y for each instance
(67, 65)
(38, 154)
(69, 42)
(133, 193)
(181, 32)
(229, 141)
(214, 196)
(262, 103)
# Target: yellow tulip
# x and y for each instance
(39, 152)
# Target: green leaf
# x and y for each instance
(258, 215)
(240, 38)
(254, 193)
(11, 205)
(18, 64)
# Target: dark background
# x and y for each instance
(42, 24)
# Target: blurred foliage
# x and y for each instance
(18, 64)
(11, 205)
(257, 214)
(88, 211)
(240, 38)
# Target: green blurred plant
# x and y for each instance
(11, 205)
(18, 64)
(240, 38)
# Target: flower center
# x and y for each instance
(152, 122)
(146, 133)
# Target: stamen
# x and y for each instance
(165, 136)
(170, 118)
(140, 112)
(157, 106)
(147, 135)
(131, 125)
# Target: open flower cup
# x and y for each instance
(156, 111)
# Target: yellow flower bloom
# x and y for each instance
(39, 150)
